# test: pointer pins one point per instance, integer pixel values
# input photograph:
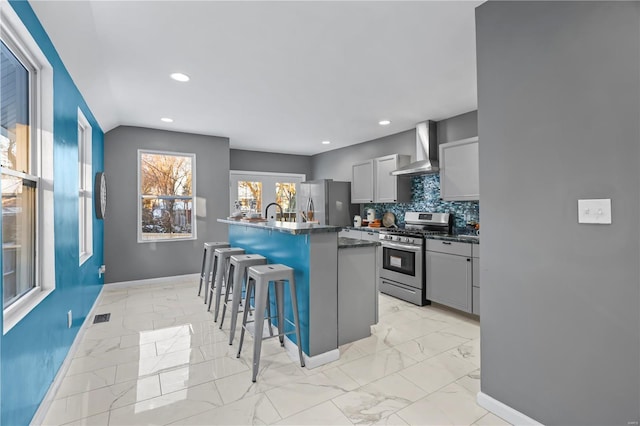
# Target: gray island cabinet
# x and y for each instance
(357, 288)
(312, 251)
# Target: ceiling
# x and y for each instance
(270, 76)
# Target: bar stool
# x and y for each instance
(208, 265)
(258, 280)
(221, 258)
(238, 271)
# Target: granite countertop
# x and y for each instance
(345, 243)
(458, 237)
(285, 227)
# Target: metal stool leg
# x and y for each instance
(202, 270)
(231, 279)
(235, 307)
(294, 302)
(260, 300)
(245, 314)
(279, 285)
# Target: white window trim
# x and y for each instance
(14, 31)
(85, 190)
(194, 234)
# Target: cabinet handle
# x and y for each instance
(446, 242)
(468, 260)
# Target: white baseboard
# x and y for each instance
(159, 280)
(43, 408)
(310, 362)
(504, 411)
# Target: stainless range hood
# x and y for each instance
(426, 158)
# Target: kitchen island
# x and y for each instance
(312, 251)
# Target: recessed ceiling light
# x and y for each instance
(384, 122)
(167, 119)
(178, 76)
(326, 142)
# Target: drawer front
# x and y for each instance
(449, 247)
(370, 236)
(350, 233)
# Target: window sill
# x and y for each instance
(15, 313)
(168, 239)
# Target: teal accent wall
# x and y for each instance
(32, 352)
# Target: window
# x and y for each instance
(260, 189)
(250, 195)
(26, 169)
(85, 174)
(166, 185)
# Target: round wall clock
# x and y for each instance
(100, 194)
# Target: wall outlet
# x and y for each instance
(69, 319)
(101, 270)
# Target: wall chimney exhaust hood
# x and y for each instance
(426, 155)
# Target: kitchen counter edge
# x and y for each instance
(285, 227)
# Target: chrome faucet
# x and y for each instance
(267, 209)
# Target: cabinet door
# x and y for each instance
(386, 185)
(459, 176)
(449, 280)
(362, 182)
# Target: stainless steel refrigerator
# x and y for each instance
(329, 200)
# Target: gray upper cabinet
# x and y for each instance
(371, 181)
(388, 188)
(459, 172)
(362, 182)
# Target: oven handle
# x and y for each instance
(414, 249)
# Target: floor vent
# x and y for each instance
(101, 318)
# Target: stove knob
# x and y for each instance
(407, 240)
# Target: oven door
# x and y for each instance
(402, 263)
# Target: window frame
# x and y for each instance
(22, 44)
(85, 189)
(194, 233)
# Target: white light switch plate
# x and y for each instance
(594, 211)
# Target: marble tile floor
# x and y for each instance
(162, 360)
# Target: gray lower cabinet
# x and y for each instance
(449, 274)
(357, 293)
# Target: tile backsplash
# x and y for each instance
(425, 197)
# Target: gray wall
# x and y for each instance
(559, 105)
(126, 259)
(337, 164)
(270, 162)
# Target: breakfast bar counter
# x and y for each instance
(312, 251)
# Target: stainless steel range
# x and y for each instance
(402, 269)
